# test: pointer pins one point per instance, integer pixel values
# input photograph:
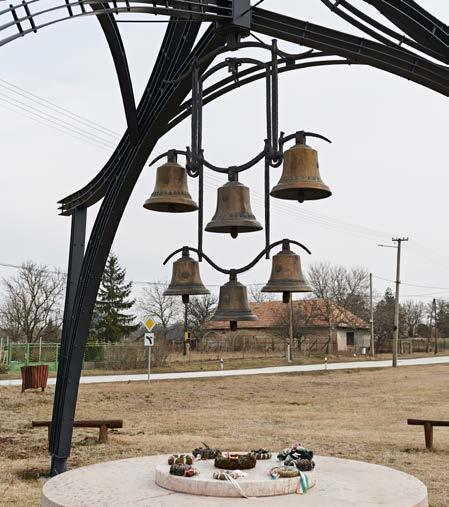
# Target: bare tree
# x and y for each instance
(164, 309)
(305, 313)
(348, 288)
(32, 302)
(255, 295)
(339, 289)
(413, 314)
(200, 310)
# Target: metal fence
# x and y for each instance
(413, 345)
(134, 356)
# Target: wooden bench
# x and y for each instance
(102, 424)
(428, 428)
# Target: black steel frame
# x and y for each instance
(418, 51)
(236, 271)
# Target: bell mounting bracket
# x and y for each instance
(233, 272)
(272, 152)
(300, 137)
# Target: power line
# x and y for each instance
(80, 133)
(54, 119)
(55, 107)
(412, 284)
(52, 126)
(314, 217)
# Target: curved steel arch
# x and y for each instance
(174, 59)
(162, 106)
(391, 58)
(114, 40)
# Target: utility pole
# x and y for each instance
(434, 309)
(396, 302)
(371, 319)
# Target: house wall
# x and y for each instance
(361, 339)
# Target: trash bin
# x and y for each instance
(34, 377)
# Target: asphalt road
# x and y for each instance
(250, 371)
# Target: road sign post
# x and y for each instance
(148, 341)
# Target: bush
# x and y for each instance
(160, 352)
(4, 368)
(94, 352)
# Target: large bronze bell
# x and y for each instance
(233, 303)
(171, 193)
(301, 180)
(186, 280)
(233, 214)
(286, 274)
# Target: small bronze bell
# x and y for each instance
(233, 303)
(286, 275)
(233, 214)
(171, 193)
(300, 180)
(186, 280)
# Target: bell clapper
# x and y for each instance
(286, 297)
(234, 232)
(185, 298)
(233, 325)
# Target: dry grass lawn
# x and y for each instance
(352, 414)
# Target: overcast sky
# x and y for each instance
(387, 166)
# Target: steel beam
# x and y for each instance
(391, 59)
(174, 59)
(416, 22)
(76, 254)
(114, 40)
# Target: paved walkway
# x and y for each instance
(250, 371)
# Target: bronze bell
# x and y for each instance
(301, 180)
(171, 193)
(233, 214)
(233, 303)
(286, 275)
(186, 280)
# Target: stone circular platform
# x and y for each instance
(257, 482)
(131, 482)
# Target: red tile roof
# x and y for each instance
(309, 312)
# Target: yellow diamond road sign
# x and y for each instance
(149, 324)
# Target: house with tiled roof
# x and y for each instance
(316, 321)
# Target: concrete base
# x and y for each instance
(131, 482)
(256, 483)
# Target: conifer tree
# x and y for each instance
(111, 321)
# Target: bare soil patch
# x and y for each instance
(357, 414)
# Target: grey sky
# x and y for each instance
(387, 166)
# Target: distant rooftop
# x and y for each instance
(313, 313)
